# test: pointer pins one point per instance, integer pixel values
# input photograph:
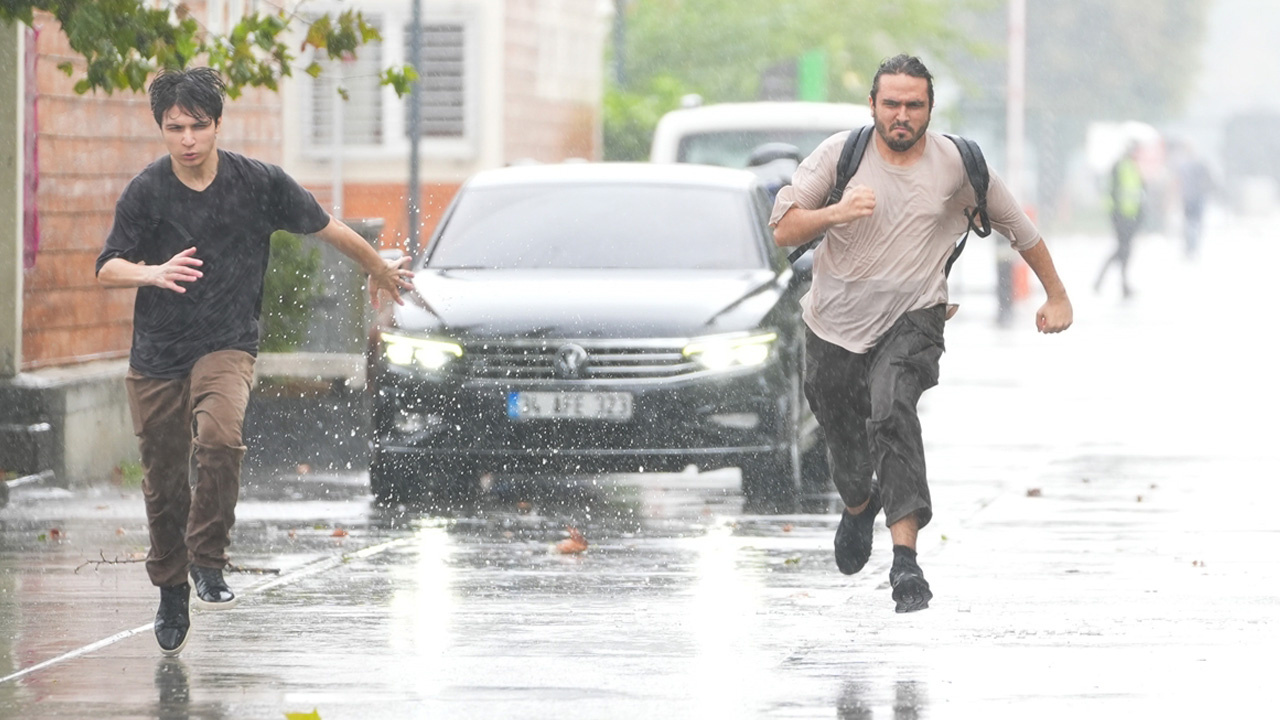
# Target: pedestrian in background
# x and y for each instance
(192, 234)
(878, 303)
(1194, 186)
(1125, 199)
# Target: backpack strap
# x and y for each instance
(855, 146)
(975, 167)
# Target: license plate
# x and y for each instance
(614, 406)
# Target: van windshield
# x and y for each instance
(731, 148)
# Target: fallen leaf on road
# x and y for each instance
(1033, 492)
(119, 531)
(1139, 498)
(786, 528)
(575, 543)
(339, 532)
(55, 534)
(313, 715)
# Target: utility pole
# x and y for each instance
(415, 127)
(1016, 107)
(620, 43)
(1007, 262)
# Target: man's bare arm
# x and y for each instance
(183, 267)
(798, 225)
(389, 276)
(1056, 313)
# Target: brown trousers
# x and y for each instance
(191, 527)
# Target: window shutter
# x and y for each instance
(442, 80)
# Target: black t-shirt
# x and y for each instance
(230, 224)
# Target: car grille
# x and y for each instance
(605, 360)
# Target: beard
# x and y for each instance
(900, 144)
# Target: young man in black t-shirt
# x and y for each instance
(192, 233)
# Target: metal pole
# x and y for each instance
(415, 127)
(620, 43)
(1016, 108)
(12, 151)
(339, 110)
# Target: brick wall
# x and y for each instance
(89, 147)
(552, 76)
(387, 201)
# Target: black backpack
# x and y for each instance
(975, 166)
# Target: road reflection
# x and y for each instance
(859, 698)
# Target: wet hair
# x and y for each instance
(197, 91)
(902, 65)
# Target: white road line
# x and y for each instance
(311, 568)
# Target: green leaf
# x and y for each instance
(400, 79)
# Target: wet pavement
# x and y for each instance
(1104, 545)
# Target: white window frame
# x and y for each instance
(394, 19)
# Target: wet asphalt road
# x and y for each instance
(1104, 545)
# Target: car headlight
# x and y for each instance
(734, 351)
(421, 353)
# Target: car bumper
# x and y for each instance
(710, 420)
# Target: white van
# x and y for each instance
(726, 134)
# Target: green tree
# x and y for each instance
(124, 42)
(720, 49)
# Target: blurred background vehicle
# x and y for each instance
(727, 134)
(585, 318)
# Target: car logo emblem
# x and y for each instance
(570, 362)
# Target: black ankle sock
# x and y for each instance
(904, 560)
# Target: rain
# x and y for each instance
(575, 472)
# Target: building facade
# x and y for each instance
(501, 81)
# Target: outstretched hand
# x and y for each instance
(391, 279)
(179, 268)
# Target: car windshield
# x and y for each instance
(599, 225)
(732, 148)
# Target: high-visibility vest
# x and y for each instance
(1126, 188)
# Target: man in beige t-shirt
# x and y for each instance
(876, 309)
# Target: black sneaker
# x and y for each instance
(853, 537)
(173, 619)
(212, 592)
(910, 590)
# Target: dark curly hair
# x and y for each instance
(902, 65)
(196, 91)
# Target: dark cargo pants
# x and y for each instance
(866, 405)
(191, 527)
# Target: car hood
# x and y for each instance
(589, 303)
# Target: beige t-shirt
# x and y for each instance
(869, 272)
